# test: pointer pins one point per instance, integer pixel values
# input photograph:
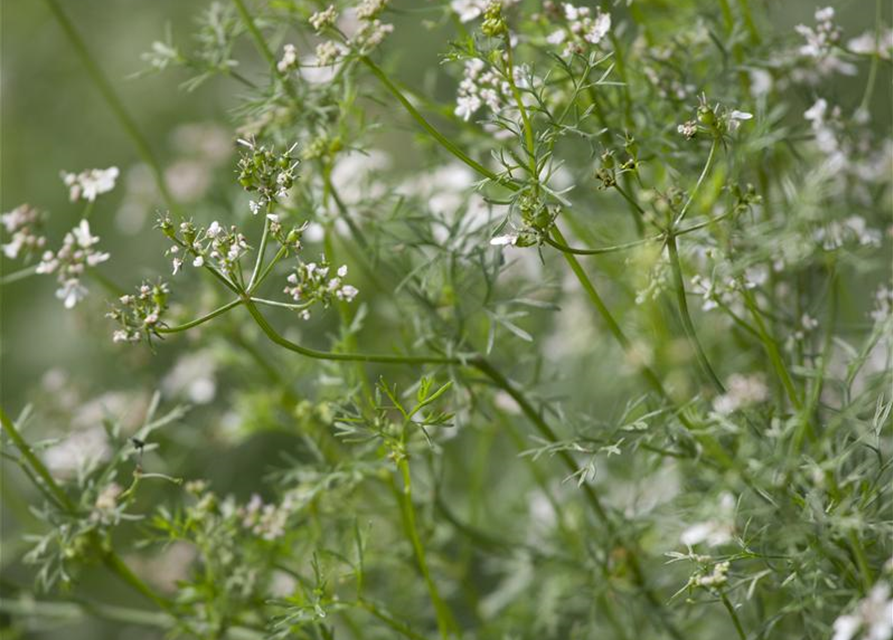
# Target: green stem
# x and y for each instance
(21, 274)
(445, 620)
(525, 118)
(109, 557)
(687, 324)
(734, 615)
(203, 319)
(599, 250)
(261, 44)
(694, 192)
(771, 349)
(437, 135)
(275, 337)
(266, 272)
(261, 251)
(113, 101)
(394, 624)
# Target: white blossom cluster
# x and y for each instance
(870, 619)
(717, 530)
(822, 48)
(105, 508)
(310, 283)
(22, 224)
(469, 10)
(289, 59)
(77, 451)
(741, 392)
(89, 184)
(853, 229)
(265, 520)
(582, 29)
(69, 263)
(873, 44)
(140, 314)
(482, 86)
(215, 245)
(883, 303)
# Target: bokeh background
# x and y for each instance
(54, 119)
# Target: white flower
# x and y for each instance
(741, 391)
(289, 58)
(21, 223)
(322, 19)
(716, 531)
(509, 239)
(872, 615)
(77, 450)
(91, 183)
(327, 53)
(870, 44)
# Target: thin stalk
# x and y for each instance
(734, 615)
(687, 324)
(525, 118)
(281, 305)
(261, 252)
(445, 142)
(875, 60)
(394, 624)
(445, 620)
(21, 274)
(266, 271)
(694, 192)
(203, 319)
(772, 350)
(113, 101)
(275, 337)
(600, 250)
(109, 557)
(264, 49)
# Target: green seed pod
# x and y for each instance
(706, 115)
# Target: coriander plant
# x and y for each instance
(480, 319)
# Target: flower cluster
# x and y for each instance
(823, 44)
(482, 86)
(715, 120)
(852, 229)
(309, 283)
(215, 245)
(742, 392)
(78, 252)
(267, 173)
(289, 59)
(582, 30)
(140, 314)
(23, 225)
(372, 30)
(323, 19)
(87, 185)
(266, 520)
(871, 619)
(469, 10)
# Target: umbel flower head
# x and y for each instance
(89, 184)
(310, 283)
(23, 224)
(78, 252)
(266, 172)
(141, 314)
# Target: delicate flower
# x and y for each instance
(873, 616)
(327, 53)
(91, 183)
(688, 128)
(70, 261)
(508, 239)
(77, 450)
(872, 44)
(716, 531)
(322, 19)
(23, 225)
(742, 391)
(289, 59)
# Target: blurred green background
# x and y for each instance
(53, 119)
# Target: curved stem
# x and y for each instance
(599, 250)
(21, 274)
(525, 118)
(274, 336)
(687, 324)
(263, 275)
(261, 44)
(281, 305)
(261, 251)
(734, 615)
(113, 101)
(445, 620)
(694, 192)
(437, 135)
(203, 319)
